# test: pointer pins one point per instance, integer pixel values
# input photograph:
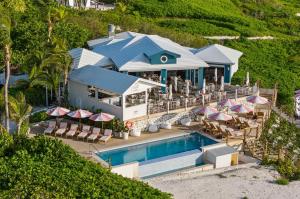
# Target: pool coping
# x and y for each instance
(106, 164)
(156, 139)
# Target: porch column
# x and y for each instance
(200, 77)
(187, 74)
(227, 74)
(193, 77)
(163, 74)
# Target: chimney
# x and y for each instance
(111, 30)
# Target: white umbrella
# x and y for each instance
(187, 88)
(222, 84)
(247, 79)
(216, 75)
(175, 83)
(170, 92)
(204, 86)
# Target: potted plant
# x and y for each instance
(124, 130)
(117, 128)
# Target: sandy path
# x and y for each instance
(242, 181)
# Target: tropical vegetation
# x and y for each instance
(42, 167)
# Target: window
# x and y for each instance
(164, 59)
(92, 91)
(136, 99)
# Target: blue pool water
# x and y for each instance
(157, 149)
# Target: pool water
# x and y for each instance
(157, 149)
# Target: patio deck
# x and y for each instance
(85, 149)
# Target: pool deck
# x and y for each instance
(85, 149)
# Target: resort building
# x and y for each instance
(132, 74)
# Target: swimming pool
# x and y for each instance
(156, 150)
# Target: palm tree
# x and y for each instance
(54, 15)
(7, 7)
(60, 60)
(19, 109)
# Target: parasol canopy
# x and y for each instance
(254, 99)
(227, 103)
(219, 116)
(207, 110)
(241, 108)
(80, 113)
(102, 117)
(58, 111)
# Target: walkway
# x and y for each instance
(224, 37)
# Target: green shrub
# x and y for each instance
(42, 167)
(38, 117)
(282, 181)
(286, 168)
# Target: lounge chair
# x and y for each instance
(166, 125)
(72, 131)
(62, 128)
(95, 134)
(251, 125)
(86, 130)
(186, 121)
(51, 127)
(233, 133)
(107, 135)
(153, 128)
(213, 130)
(207, 126)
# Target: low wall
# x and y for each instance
(130, 170)
(170, 163)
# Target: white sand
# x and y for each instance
(251, 181)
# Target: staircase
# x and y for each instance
(254, 148)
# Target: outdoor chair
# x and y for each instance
(106, 136)
(51, 127)
(207, 126)
(213, 129)
(72, 131)
(95, 134)
(153, 128)
(86, 130)
(62, 128)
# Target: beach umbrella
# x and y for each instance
(175, 84)
(222, 84)
(170, 92)
(247, 79)
(216, 75)
(204, 86)
(207, 110)
(187, 88)
(297, 92)
(102, 117)
(227, 103)
(256, 99)
(58, 111)
(80, 113)
(241, 108)
(219, 116)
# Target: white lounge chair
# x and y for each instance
(186, 121)
(62, 128)
(153, 128)
(51, 127)
(107, 135)
(166, 125)
(72, 131)
(95, 134)
(84, 132)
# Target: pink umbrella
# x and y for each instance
(297, 92)
(207, 110)
(241, 108)
(220, 116)
(80, 114)
(227, 103)
(58, 111)
(103, 117)
(297, 95)
(257, 99)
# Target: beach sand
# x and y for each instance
(248, 180)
